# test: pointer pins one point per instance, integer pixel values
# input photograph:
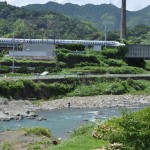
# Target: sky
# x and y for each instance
(132, 5)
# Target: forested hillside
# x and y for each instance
(37, 24)
(99, 15)
(30, 23)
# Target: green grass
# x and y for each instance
(38, 131)
(41, 145)
(80, 143)
(7, 146)
(81, 139)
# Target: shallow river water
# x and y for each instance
(63, 122)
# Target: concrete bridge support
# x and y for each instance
(97, 47)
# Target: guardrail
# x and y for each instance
(38, 77)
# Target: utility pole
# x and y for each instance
(13, 62)
(123, 21)
(105, 34)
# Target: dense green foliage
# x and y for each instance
(29, 89)
(147, 65)
(36, 24)
(109, 60)
(24, 89)
(115, 53)
(31, 63)
(105, 14)
(104, 70)
(7, 146)
(4, 69)
(100, 15)
(111, 86)
(139, 34)
(27, 66)
(132, 130)
(71, 59)
(96, 14)
(32, 23)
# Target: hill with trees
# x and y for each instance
(30, 23)
(99, 15)
(25, 23)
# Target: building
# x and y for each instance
(41, 51)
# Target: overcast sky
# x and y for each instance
(132, 5)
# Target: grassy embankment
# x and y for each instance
(24, 89)
(36, 138)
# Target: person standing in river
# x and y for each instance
(69, 105)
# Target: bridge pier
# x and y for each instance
(97, 47)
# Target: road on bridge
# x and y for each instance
(59, 76)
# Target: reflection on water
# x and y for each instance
(62, 122)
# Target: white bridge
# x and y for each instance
(59, 41)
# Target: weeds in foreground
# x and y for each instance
(7, 146)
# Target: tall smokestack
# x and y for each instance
(123, 20)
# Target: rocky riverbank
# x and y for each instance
(16, 109)
(97, 101)
(23, 108)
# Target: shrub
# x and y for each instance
(147, 65)
(136, 84)
(7, 146)
(116, 88)
(62, 65)
(124, 70)
(39, 69)
(16, 89)
(132, 130)
(83, 130)
(72, 59)
(5, 69)
(82, 64)
(23, 69)
(115, 53)
(4, 88)
(29, 90)
(38, 131)
(115, 63)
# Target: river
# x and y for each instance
(62, 122)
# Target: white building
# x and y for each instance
(35, 51)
